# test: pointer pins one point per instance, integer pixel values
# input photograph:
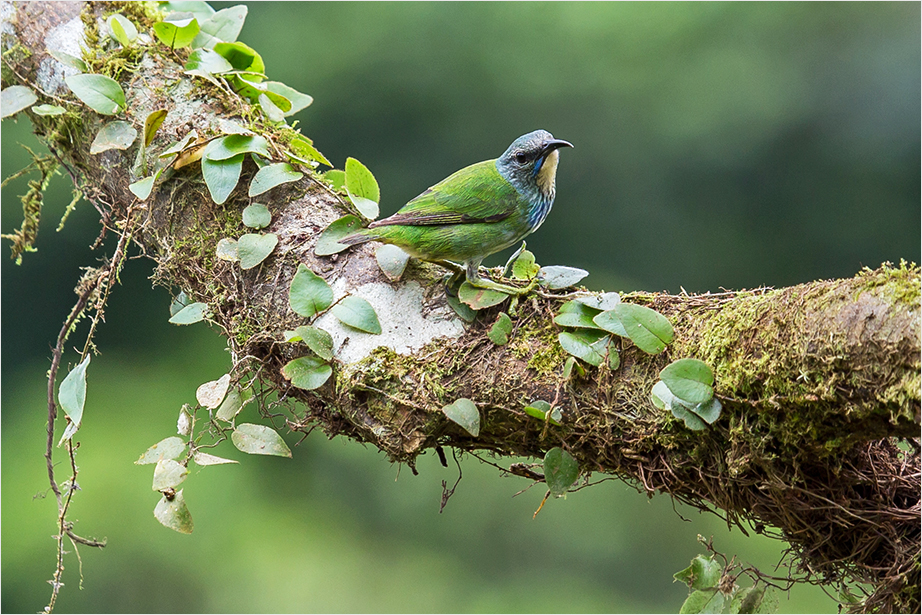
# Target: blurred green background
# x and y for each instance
(717, 145)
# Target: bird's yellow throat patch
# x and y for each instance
(547, 176)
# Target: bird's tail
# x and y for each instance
(361, 236)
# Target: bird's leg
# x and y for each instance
(455, 268)
(474, 279)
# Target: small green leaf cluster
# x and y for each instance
(685, 386)
(712, 590)
(587, 339)
(223, 401)
(249, 249)
(184, 312)
(522, 267)
(217, 57)
(310, 296)
(686, 389)
(364, 196)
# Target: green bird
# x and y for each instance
(477, 211)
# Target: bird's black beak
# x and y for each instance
(552, 144)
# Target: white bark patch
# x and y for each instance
(68, 38)
(6, 15)
(406, 325)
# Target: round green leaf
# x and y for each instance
(121, 29)
(221, 176)
(308, 372)
(560, 471)
(689, 380)
(703, 601)
(102, 94)
(174, 514)
(464, 412)
(392, 261)
(233, 403)
(256, 216)
(168, 473)
(114, 135)
(211, 394)
(461, 309)
(336, 178)
(585, 345)
(273, 175)
(298, 99)
(603, 301)
(328, 242)
(177, 30)
(501, 329)
(226, 250)
(252, 249)
(704, 572)
(480, 298)
(362, 188)
(143, 187)
(259, 440)
(709, 411)
(577, 315)
(681, 411)
(556, 277)
(610, 322)
(16, 98)
(524, 267)
(317, 340)
(309, 293)
(179, 302)
(192, 313)
(230, 146)
(204, 62)
(168, 448)
(647, 328)
(358, 314)
(222, 27)
(360, 181)
(242, 57)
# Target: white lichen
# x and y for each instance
(406, 325)
(66, 38)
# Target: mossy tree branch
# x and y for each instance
(817, 380)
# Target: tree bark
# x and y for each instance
(817, 381)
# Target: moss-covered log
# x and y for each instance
(818, 381)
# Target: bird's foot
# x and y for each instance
(515, 291)
(453, 283)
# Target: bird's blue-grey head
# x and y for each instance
(530, 165)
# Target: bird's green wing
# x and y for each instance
(477, 193)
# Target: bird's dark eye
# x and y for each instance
(521, 158)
